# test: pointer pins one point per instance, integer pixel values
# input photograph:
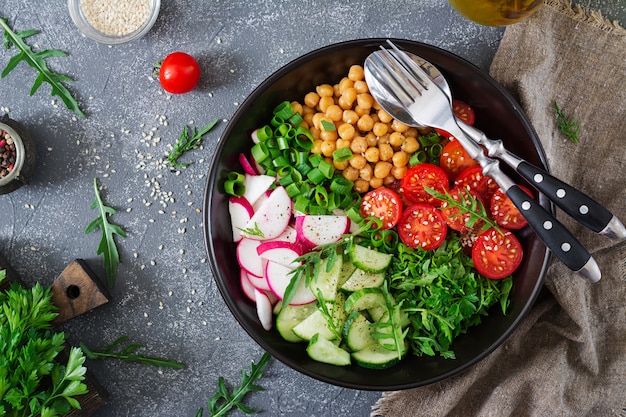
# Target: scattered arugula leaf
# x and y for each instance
(37, 60)
(467, 204)
(388, 330)
(442, 294)
(107, 247)
(33, 381)
(569, 127)
(185, 143)
(127, 354)
(223, 400)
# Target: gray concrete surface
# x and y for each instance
(165, 296)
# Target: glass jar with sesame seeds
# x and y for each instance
(114, 22)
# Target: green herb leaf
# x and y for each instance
(127, 354)
(328, 126)
(223, 400)
(37, 60)
(255, 231)
(107, 247)
(186, 143)
(467, 204)
(569, 127)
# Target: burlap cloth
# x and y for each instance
(568, 357)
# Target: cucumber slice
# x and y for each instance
(347, 269)
(326, 281)
(323, 350)
(369, 260)
(357, 332)
(377, 357)
(289, 317)
(314, 324)
(365, 299)
(361, 279)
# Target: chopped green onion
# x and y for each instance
(418, 157)
(282, 142)
(264, 133)
(259, 152)
(277, 121)
(429, 139)
(321, 196)
(301, 204)
(326, 168)
(292, 190)
(296, 119)
(280, 161)
(434, 151)
(301, 130)
(284, 110)
(315, 176)
(342, 155)
(281, 130)
(340, 185)
(315, 159)
(328, 126)
(234, 184)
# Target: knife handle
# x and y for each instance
(556, 237)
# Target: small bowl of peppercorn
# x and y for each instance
(11, 154)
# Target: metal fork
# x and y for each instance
(429, 106)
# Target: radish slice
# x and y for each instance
(289, 235)
(254, 136)
(261, 200)
(278, 278)
(248, 257)
(256, 186)
(264, 309)
(259, 282)
(246, 285)
(246, 165)
(283, 253)
(318, 230)
(272, 217)
(241, 212)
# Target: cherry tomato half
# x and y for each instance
(463, 111)
(504, 212)
(179, 73)
(420, 176)
(383, 203)
(497, 254)
(422, 226)
(452, 214)
(454, 159)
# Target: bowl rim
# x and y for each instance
(213, 177)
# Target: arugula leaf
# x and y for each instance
(223, 400)
(127, 354)
(442, 294)
(33, 380)
(569, 128)
(185, 143)
(37, 60)
(107, 246)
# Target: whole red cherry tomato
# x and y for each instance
(179, 73)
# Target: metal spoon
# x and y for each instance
(574, 202)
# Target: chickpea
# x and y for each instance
(350, 95)
(325, 90)
(383, 140)
(325, 103)
(311, 99)
(317, 146)
(399, 172)
(380, 128)
(343, 103)
(396, 139)
(358, 145)
(361, 186)
(376, 182)
(371, 139)
(358, 161)
(336, 91)
(386, 151)
(400, 159)
(340, 166)
(365, 123)
(350, 173)
(384, 117)
(399, 126)
(297, 107)
(330, 135)
(342, 143)
(362, 111)
(350, 116)
(382, 169)
(308, 118)
(366, 172)
(410, 145)
(365, 100)
(316, 120)
(346, 131)
(315, 132)
(412, 132)
(356, 73)
(372, 154)
(361, 87)
(334, 113)
(424, 130)
(327, 147)
(345, 83)
(389, 179)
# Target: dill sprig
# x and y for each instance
(186, 143)
(569, 127)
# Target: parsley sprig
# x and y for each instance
(113, 351)
(186, 143)
(37, 60)
(33, 379)
(107, 247)
(570, 127)
(223, 400)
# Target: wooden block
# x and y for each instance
(77, 290)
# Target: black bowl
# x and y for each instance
(497, 114)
